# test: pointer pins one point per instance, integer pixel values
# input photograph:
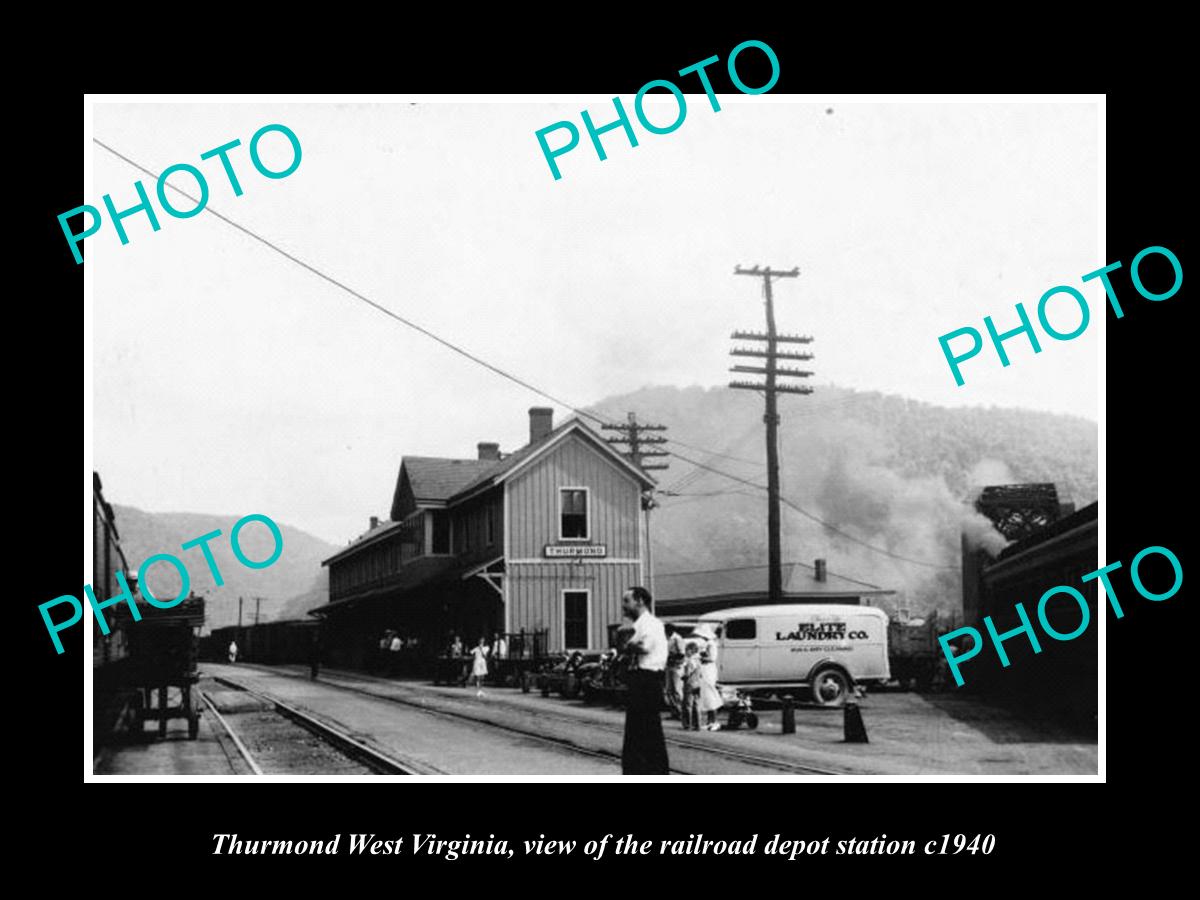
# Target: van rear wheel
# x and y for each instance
(831, 687)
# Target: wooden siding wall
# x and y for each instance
(412, 539)
(535, 596)
(614, 501)
(368, 566)
(470, 528)
(534, 587)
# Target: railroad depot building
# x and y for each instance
(542, 541)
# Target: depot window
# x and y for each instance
(573, 514)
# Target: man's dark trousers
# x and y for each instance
(645, 749)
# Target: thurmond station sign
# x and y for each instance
(576, 551)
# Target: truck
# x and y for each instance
(913, 651)
(824, 650)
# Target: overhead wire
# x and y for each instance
(359, 296)
(450, 345)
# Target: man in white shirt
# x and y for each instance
(645, 750)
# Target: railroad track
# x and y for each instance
(557, 743)
(375, 760)
(247, 756)
(758, 760)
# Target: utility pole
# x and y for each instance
(239, 631)
(771, 389)
(257, 607)
(632, 433)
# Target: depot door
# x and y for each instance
(576, 619)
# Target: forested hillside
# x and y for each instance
(890, 472)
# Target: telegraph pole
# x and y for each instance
(771, 389)
(632, 433)
(257, 607)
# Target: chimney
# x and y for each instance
(819, 567)
(541, 422)
(488, 451)
(374, 522)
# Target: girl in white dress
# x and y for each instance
(479, 669)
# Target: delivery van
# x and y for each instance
(824, 649)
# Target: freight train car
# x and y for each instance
(1062, 680)
(108, 558)
(140, 662)
(268, 643)
(112, 707)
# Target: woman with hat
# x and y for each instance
(710, 697)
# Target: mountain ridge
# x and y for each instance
(893, 475)
(297, 573)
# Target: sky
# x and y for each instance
(229, 379)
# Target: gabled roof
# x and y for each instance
(799, 580)
(435, 478)
(517, 459)
(367, 537)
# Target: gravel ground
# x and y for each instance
(910, 734)
(279, 745)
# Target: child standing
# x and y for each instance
(479, 669)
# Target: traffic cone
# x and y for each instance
(854, 730)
